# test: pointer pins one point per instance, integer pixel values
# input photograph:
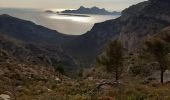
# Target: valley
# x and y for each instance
(126, 58)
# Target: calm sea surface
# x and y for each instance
(74, 25)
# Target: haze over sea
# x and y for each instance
(74, 25)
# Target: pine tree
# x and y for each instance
(160, 50)
(113, 59)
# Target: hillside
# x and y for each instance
(29, 80)
(36, 42)
(24, 76)
(32, 58)
(136, 23)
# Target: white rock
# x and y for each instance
(90, 78)
(57, 79)
(5, 97)
(49, 90)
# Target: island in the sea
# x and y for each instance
(84, 10)
(49, 11)
(93, 10)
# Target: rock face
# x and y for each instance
(149, 19)
(93, 10)
(135, 24)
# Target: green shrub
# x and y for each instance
(60, 68)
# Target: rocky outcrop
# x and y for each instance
(5, 97)
(147, 21)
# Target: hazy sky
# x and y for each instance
(62, 4)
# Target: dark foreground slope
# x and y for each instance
(24, 76)
(136, 23)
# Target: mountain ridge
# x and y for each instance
(51, 36)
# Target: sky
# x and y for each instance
(68, 4)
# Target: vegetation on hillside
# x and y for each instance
(27, 81)
(34, 71)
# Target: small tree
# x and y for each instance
(60, 68)
(113, 59)
(80, 73)
(160, 50)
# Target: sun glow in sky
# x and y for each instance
(68, 4)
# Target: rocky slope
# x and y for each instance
(148, 20)
(26, 71)
(135, 24)
(25, 80)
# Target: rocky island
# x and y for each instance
(93, 10)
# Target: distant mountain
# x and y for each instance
(93, 10)
(49, 11)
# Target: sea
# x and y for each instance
(66, 24)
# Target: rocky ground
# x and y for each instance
(22, 81)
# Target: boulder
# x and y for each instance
(4, 97)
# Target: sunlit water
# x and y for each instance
(74, 25)
(72, 18)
